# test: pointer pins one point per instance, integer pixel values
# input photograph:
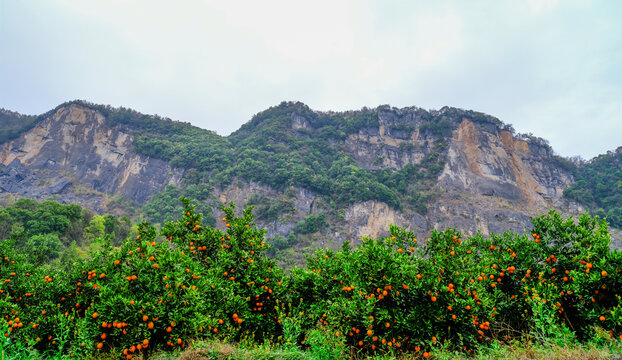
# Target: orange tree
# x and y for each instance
(389, 293)
(148, 294)
(237, 257)
(160, 290)
(557, 277)
(579, 265)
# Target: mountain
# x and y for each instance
(315, 178)
(75, 155)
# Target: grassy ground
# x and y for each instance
(516, 351)
(601, 347)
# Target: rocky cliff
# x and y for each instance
(492, 180)
(74, 151)
(472, 171)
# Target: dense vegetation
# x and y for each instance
(160, 290)
(599, 185)
(13, 124)
(164, 206)
(268, 151)
(48, 231)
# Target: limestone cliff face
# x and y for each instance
(491, 179)
(501, 180)
(372, 219)
(76, 144)
(305, 203)
(394, 144)
(494, 163)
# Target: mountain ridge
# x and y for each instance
(358, 170)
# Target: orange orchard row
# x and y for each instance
(451, 291)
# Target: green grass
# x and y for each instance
(603, 348)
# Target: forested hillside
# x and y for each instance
(269, 151)
(599, 185)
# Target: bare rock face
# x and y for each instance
(75, 146)
(372, 219)
(394, 144)
(494, 163)
(502, 181)
(305, 203)
(491, 180)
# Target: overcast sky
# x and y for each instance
(553, 68)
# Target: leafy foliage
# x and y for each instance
(270, 209)
(164, 206)
(599, 185)
(46, 229)
(311, 224)
(392, 294)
